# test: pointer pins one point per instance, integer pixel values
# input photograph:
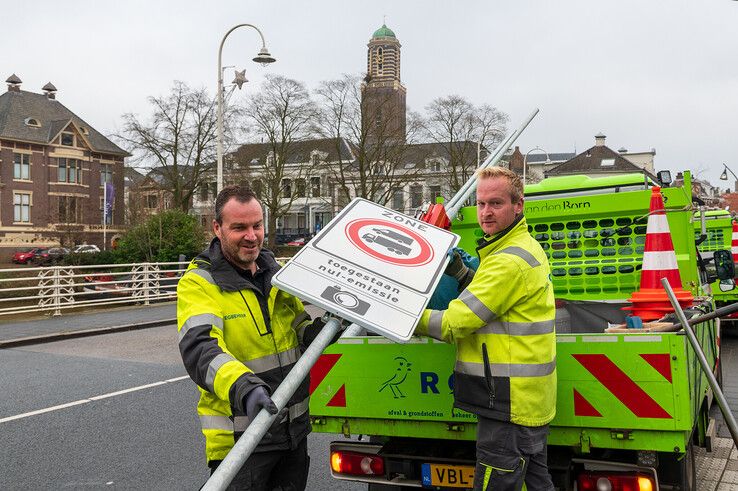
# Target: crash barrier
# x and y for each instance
(57, 289)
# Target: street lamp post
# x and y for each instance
(263, 57)
(525, 159)
(724, 175)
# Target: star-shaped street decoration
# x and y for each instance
(240, 78)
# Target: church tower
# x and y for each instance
(383, 95)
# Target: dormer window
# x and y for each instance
(84, 130)
(33, 122)
(607, 162)
(67, 139)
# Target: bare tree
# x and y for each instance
(280, 114)
(379, 166)
(462, 129)
(178, 140)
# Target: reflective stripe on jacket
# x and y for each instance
(233, 339)
(503, 328)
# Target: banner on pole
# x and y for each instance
(109, 199)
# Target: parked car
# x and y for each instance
(26, 256)
(85, 248)
(297, 242)
(50, 256)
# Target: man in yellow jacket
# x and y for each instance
(239, 337)
(503, 326)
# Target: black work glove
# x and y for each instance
(311, 332)
(458, 270)
(257, 399)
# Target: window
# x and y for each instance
(67, 139)
(32, 122)
(21, 166)
(435, 192)
(398, 200)
(315, 187)
(416, 196)
(380, 60)
(69, 209)
(607, 162)
(314, 159)
(70, 170)
(286, 188)
(300, 185)
(152, 201)
(106, 173)
(204, 195)
(435, 166)
(344, 196)
(22, 207)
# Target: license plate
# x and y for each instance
(450, 476)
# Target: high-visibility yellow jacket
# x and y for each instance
(503, 328)
(233, 339)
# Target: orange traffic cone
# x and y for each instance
(734, 245)
(659, 261)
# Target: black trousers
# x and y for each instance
(510, 454)
(281, 470)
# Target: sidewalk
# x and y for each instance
(13, 333)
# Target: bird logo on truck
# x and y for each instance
(402, 368)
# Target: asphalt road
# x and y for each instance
(117, 411)
(141, 439)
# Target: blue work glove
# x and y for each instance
(257, 399)
(463, 265)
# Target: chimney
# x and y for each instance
(600, 140)
(13, 83)
(49, 90)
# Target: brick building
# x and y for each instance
(53, 170)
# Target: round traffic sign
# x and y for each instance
(389, 242)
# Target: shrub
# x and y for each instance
(162, 237)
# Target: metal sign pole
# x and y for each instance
(722, 402)
(245, 445)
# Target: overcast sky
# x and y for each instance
(657, 74)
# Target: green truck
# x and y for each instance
(713, 231)
(631, 406)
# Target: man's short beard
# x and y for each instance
(236, 259)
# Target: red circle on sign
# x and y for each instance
(352, 232)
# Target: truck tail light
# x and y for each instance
(356, 464)
(591, 481)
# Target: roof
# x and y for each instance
(536, 158)
(300, 152)
(17, 106)
(591, 162)
(132, 176)
(383, 32)
(417, 153)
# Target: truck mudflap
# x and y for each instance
(628, 391)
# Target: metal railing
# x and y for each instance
(53, 289)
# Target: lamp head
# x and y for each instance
(724, 175)
(264, 57)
